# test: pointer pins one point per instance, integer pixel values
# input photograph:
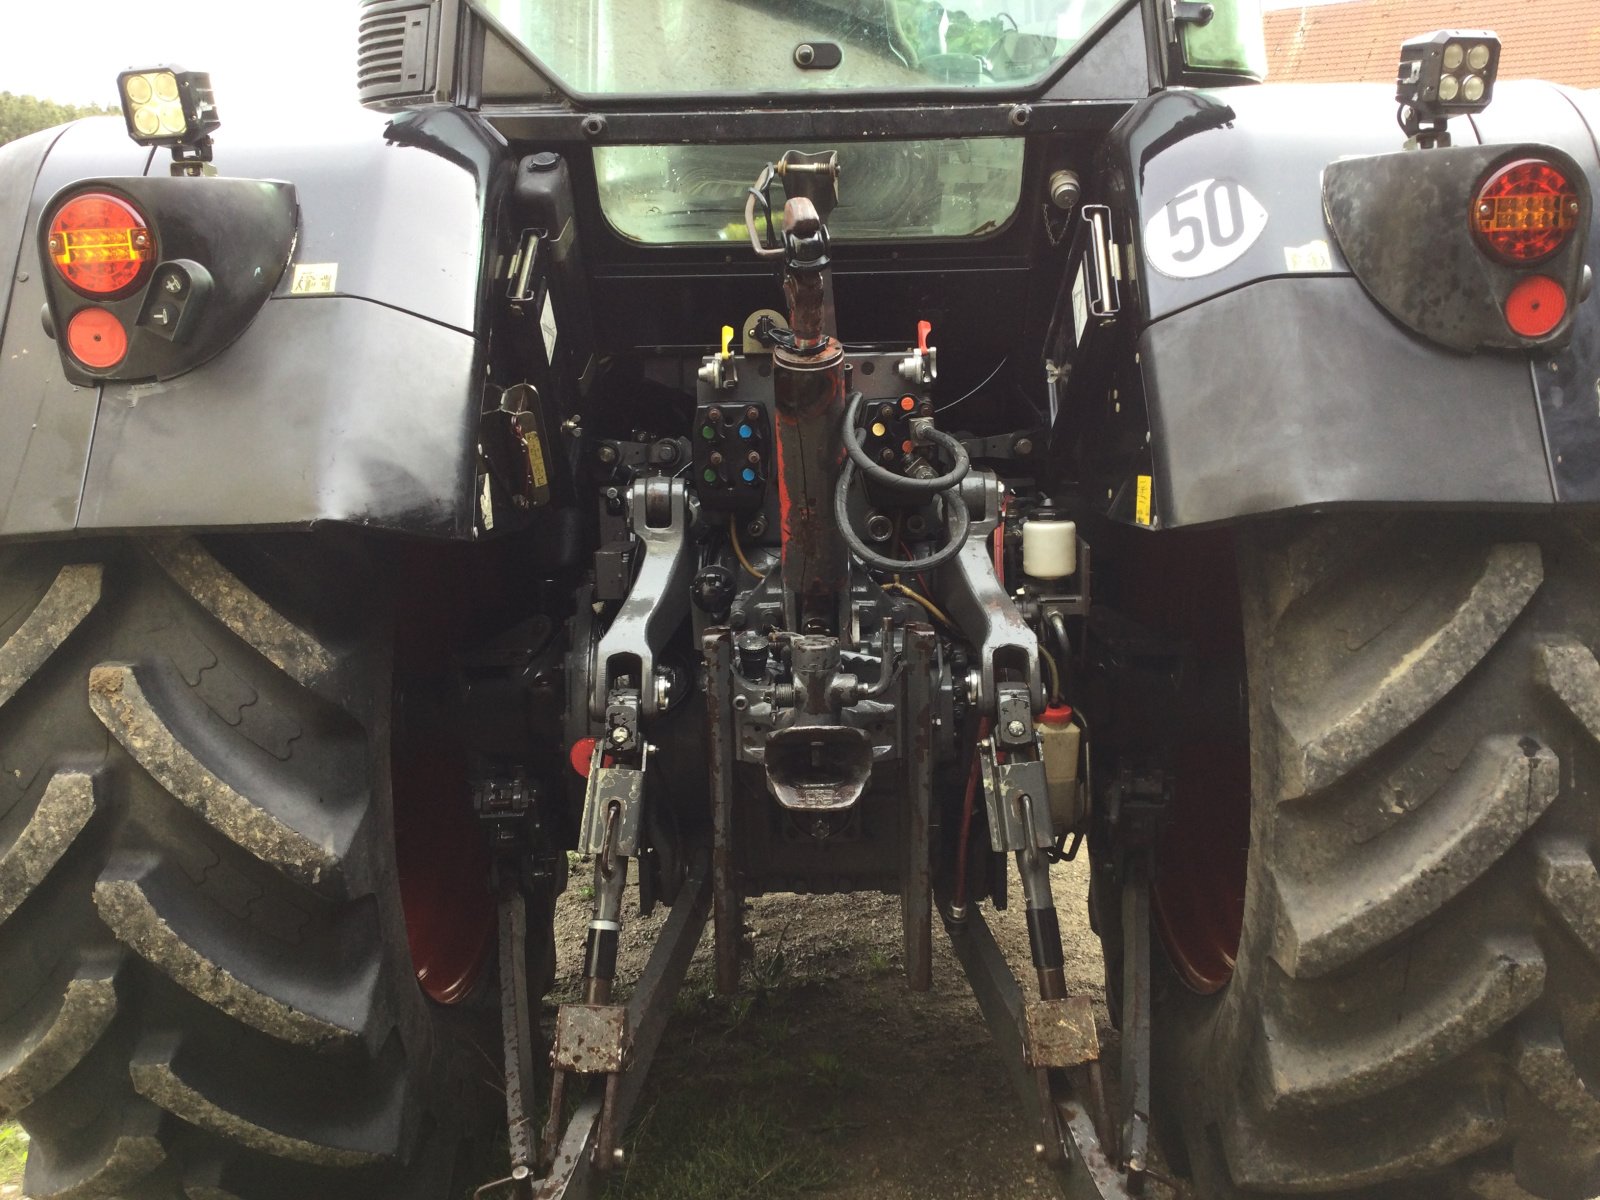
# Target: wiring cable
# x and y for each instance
(738, 550)
(938, 614)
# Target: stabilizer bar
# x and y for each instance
(573, 1169)
(1067, 1129)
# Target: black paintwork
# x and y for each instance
(222, 243)
(1402, 220)
(270, 434)
(1260, 389)
(360, 406)
(1265, 389)
(1274, 141)
(1294, 393)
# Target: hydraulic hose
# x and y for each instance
(905, 483)
(956, 521)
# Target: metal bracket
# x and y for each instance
(658, 601)
(622, 787)
(1105, 299)
(591, 1039)
(1067, 1131)
(979, 605)
(1017, 796)
(601, 1113)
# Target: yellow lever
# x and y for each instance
(727, 337)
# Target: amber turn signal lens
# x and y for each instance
(96, 338)
(100, 244)
(1525, 211)
(1535, 306)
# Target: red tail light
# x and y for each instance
(100, 244)
(1525, 211)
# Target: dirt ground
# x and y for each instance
(826, 1076)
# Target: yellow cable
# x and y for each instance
(1055, 674)
(733, 536)
(938, 613)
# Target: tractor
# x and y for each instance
(721, 448)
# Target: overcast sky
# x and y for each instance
(261, 53)
(267, 55)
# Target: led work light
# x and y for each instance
(1444, 74)
(165, 106)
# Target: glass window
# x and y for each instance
(664, 46)
(688, 195)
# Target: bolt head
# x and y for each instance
(1015, 729)
(619, 735)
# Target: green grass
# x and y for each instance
(701, 1152)
(13, 1154)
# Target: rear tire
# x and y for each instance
(205, 989)
(1413, 1009)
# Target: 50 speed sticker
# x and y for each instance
(1203, 228)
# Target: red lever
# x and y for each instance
(924, 328)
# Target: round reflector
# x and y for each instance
(96, 338)
(100, 244)
(1525, 211)
(1535, 306)
(581, 755)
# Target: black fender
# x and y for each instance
(1264, 377)
(353, 395)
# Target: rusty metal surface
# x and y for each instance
(516, 1029)
(591, 1039)
(808, 395)
(916, 878)
(720, 742)
(571, 1174)
(1066, 1131)
(1135, 1092)
(1061, 1033)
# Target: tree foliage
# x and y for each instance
(22, 115)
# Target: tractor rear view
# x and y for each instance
(839, 447)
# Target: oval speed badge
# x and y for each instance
(1203, 228)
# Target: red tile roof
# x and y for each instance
(1558, 40)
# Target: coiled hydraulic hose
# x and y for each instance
(956, 519)
(904, 483)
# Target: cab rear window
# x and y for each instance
(694, 195)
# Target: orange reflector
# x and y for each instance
(100, 244)
(96, 338)
(1535, 306)
(1525, 211)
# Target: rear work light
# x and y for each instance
(1525, 211)
(100, 244)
